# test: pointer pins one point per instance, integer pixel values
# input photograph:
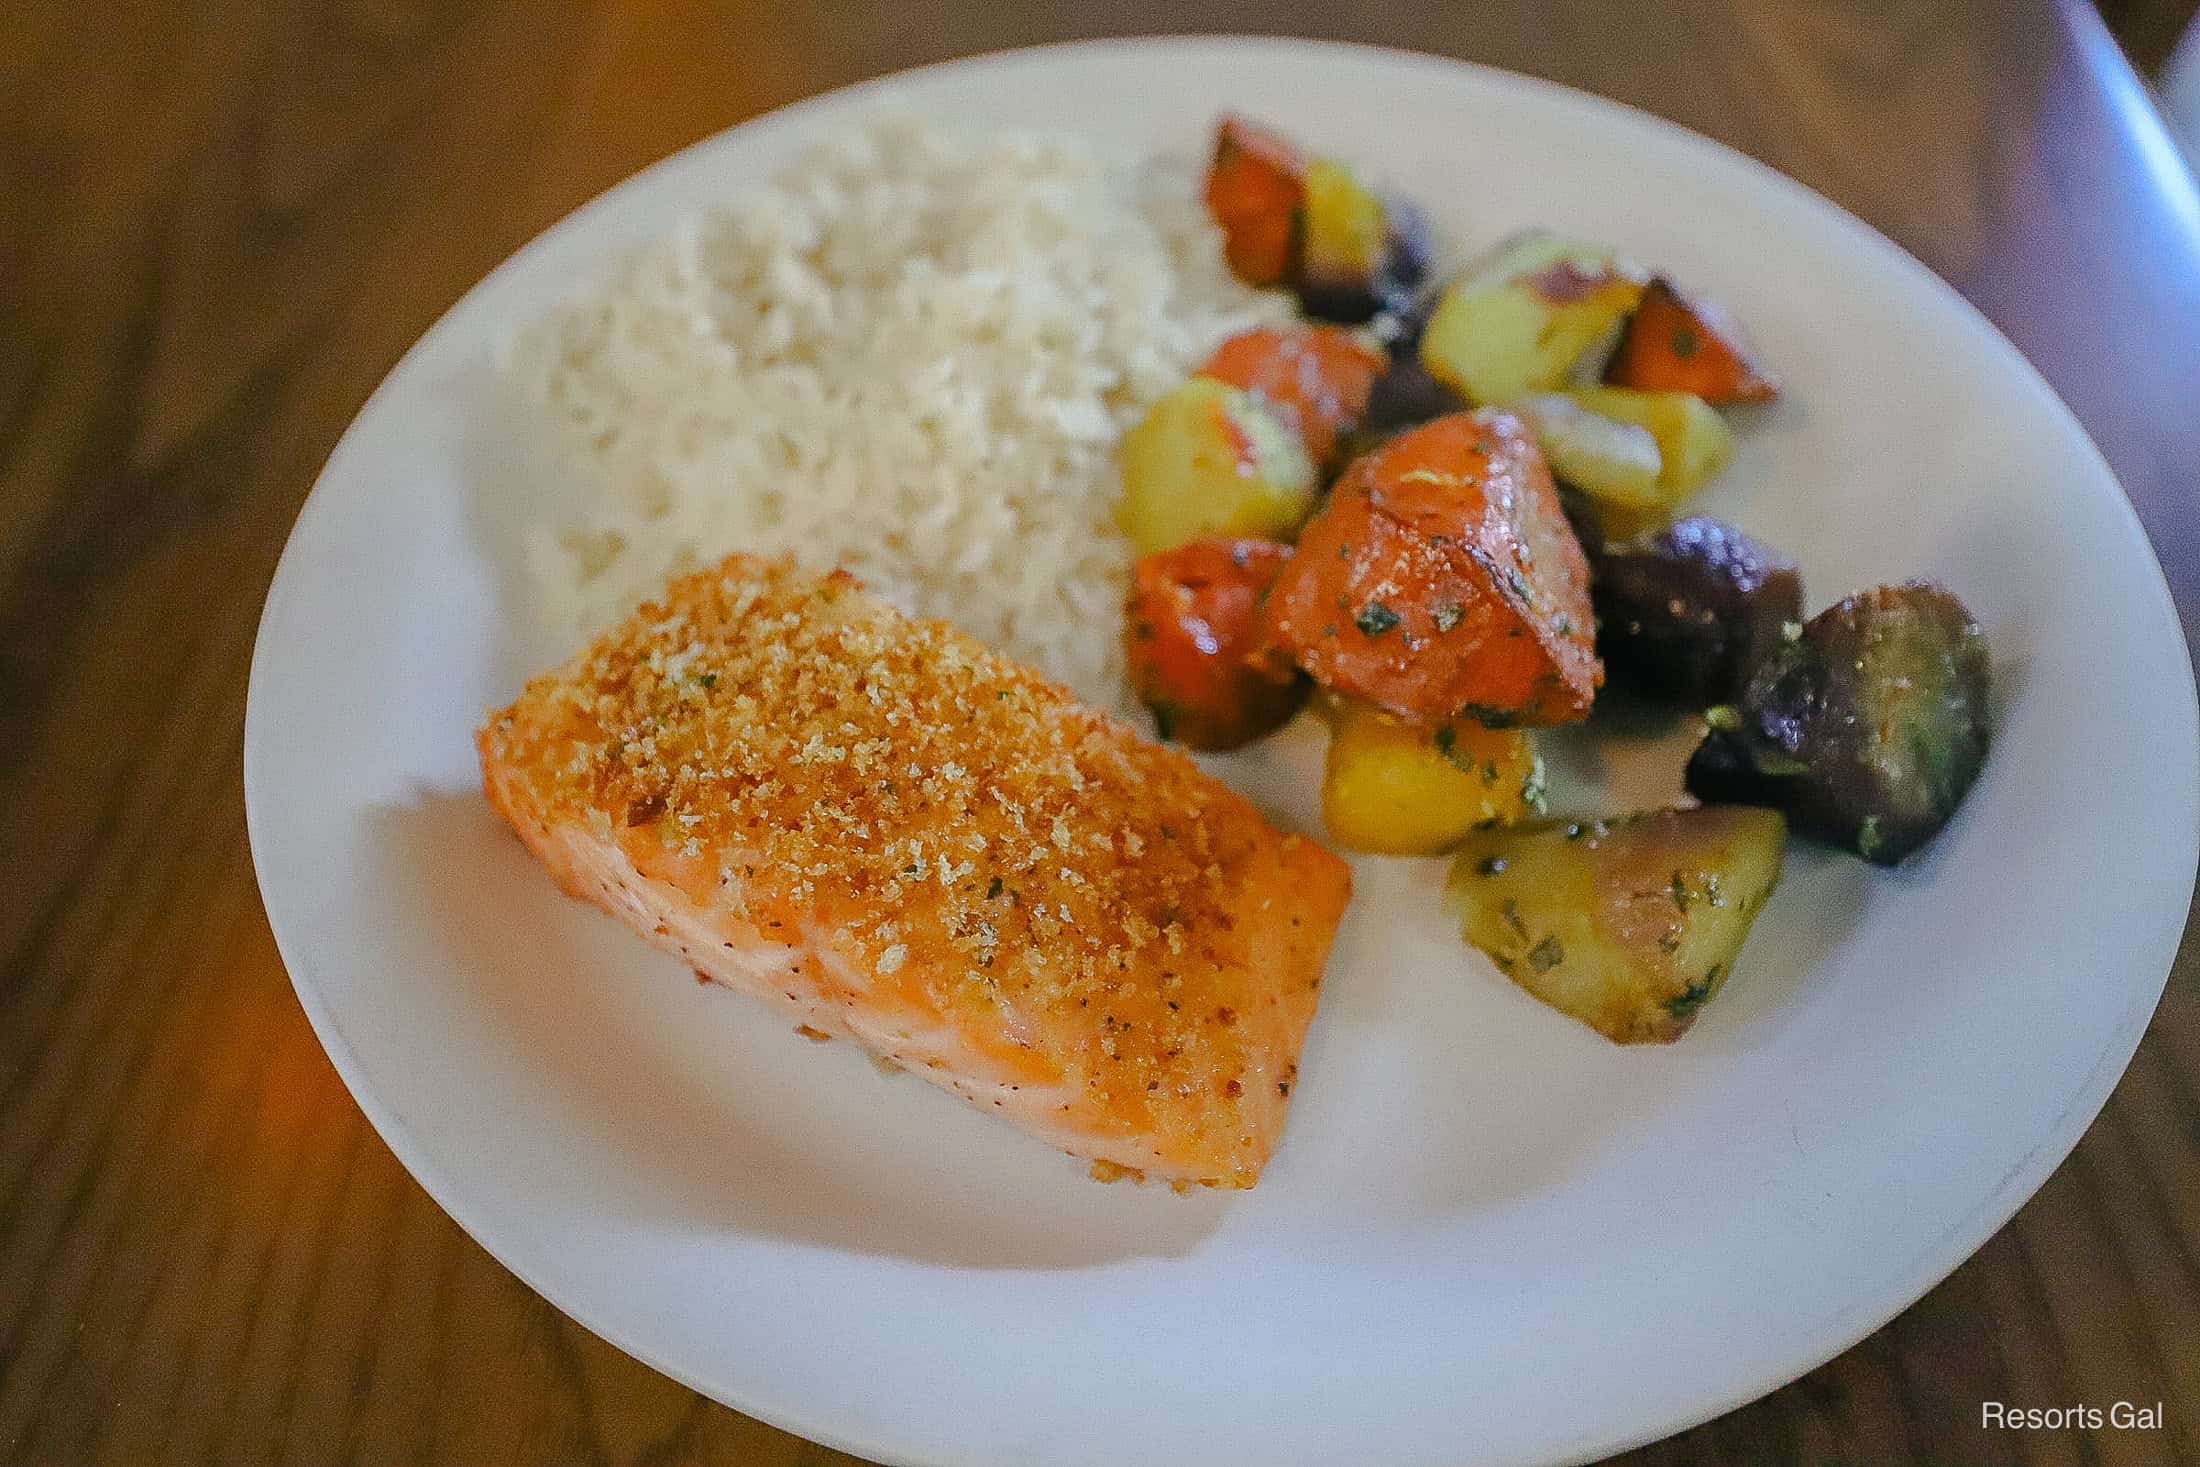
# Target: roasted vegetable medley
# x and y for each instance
(1448, 512)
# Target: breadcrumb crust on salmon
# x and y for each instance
(919, 844)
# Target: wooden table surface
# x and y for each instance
(221, 222)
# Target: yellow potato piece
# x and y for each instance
(1611, 461)
(1207, 459)
(1346, 233)
(1694, 442)
(1396, 789)
(1629, 925)
(1519, 324)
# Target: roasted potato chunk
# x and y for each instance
(1631, 925)
(1192, 638)
(1685, 614)
(1319, 377)
(1406, 790)
(1520, 323)
(1675, 344)
(1256, 190)
(1346, 240)
(1612, 461)
(1693, 441)
(1208, 459)
(1868, 728)
(1360, 254)
(1441, 581)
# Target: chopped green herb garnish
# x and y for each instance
(993, 889)
(1490, 866)
(1164, 720)
(1682, 896)
(1447, 744)
(1695, 995)
(1510, 911)
(1869, 838)
(1535, 785)
(1546, 955)
(1684, 341)
(1490, 717)
(1447, 615)
(1375, 619)
(1688, 1000)
(709, 680)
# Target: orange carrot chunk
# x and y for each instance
(1319, 376)
(1193, 639)
(1256, 187)
(1674, 344)
(1441, 580)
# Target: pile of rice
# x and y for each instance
(912, 356)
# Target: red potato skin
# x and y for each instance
(1320, 376)
(1256, 188)
(1674, 344)
(1193, 639)
(1441, 579)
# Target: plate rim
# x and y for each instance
(1929, 1266)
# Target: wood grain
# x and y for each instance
(221, 222)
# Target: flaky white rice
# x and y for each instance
(912, 356)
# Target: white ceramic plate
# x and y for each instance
(1489, 1234)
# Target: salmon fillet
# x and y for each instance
(905, 839)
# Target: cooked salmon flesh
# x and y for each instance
(907, 840)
